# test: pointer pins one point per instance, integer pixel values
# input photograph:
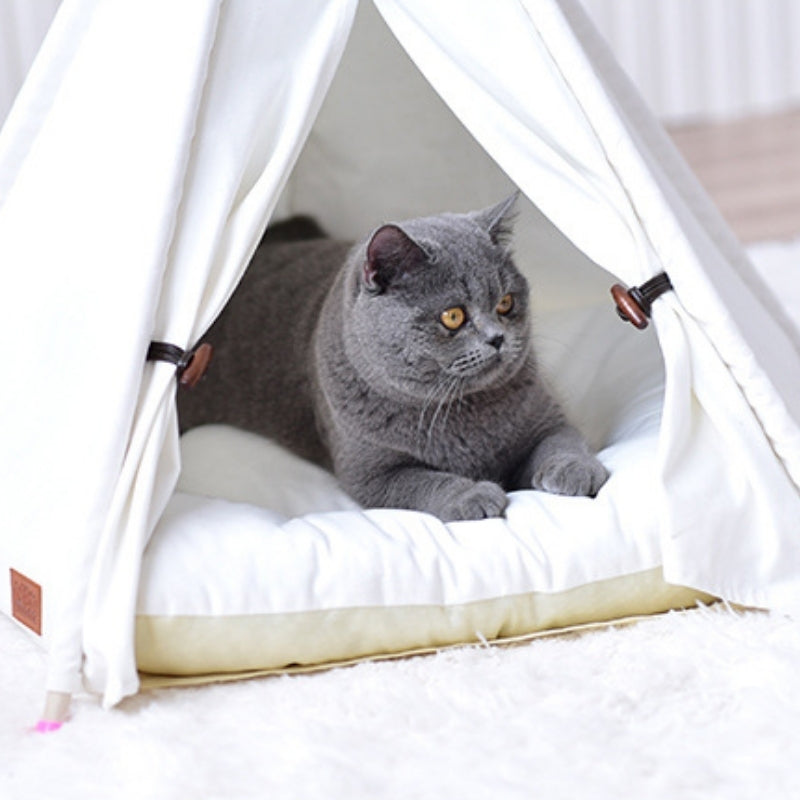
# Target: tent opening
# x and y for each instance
(385, 147)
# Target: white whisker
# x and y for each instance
(436, 413)
(426, 405)
(444, 394)
(455, 389)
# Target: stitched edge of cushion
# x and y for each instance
(200, 649)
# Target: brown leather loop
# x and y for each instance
(196, 366)
(627, 308)
(634, 305)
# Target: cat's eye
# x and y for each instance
(505, 305)
(453, 318)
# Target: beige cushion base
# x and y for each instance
(195, 650)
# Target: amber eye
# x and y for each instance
(453, 318)
(505, 305)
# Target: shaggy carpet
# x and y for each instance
(698, 704)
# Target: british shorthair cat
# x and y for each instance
(404, 363)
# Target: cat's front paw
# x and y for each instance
(571, 475)
(479, 501)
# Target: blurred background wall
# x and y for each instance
(706, 59)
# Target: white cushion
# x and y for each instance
(261, 562)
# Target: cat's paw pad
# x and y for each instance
(570, 475)
(479, 501)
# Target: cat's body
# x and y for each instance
(260, 378)
(404, 363)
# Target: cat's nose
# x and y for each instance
(497, 341)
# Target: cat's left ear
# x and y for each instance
(391, 253)
(498, 220)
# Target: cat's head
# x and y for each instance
(438, 302)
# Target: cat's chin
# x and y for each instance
(485, 382)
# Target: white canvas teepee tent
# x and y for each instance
(146, 151)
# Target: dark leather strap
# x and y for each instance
(191, 364)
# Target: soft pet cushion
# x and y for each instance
(261, 562)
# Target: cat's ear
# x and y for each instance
(498, 220)
(391, 253)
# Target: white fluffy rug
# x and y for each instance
(701, 704)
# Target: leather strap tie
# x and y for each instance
(634, 305)
(191, 364)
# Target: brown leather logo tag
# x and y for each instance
(26, 602)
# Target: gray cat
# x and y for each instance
(403, 363)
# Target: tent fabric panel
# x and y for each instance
(714, 280)
(739, 410)
(732, 527)
(104, 117)
(82, 248)
(728, 348)
(509, 91)
(268, 69)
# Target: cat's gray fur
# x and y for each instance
(339, 353)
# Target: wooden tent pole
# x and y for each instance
(56, 711)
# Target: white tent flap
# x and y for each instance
(143, 178)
